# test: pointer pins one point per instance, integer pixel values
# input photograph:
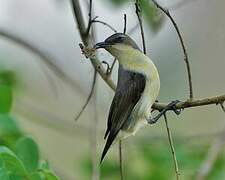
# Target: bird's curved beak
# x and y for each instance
(101, 45)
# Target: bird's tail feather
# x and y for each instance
(110, 139)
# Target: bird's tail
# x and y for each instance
(110, 139)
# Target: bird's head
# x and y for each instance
(118, 44)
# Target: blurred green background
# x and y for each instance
(38, 103)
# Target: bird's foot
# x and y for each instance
(170, 106)
(108, 69)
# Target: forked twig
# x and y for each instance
(186, 60)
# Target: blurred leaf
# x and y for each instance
(8, 78)
(152, 14)
(9, 131)
(27, 151)
(47, 175)
(44, 165)
(45, 172)
(36, 176)
(10, 166)
(5, 98)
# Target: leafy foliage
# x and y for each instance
(11, 166)
(27, 151)
(19, 154)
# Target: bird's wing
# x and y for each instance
(129, 89)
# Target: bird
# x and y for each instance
(137, 89)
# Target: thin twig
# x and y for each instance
(211, 156)
(125, 24)
(121, 160)
(186, 60)
(90, 17)
(89, 96)
(138, 11)
(93, 139)
(105, 24)
(222, 106)
(172, 148)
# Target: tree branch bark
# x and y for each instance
(87, 42)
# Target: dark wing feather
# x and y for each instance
(129, 89)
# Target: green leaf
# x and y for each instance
(152, 14)
(27, 151)
(8, 77)
(44, 165)
(5, 98)
(50, 176)
(11, 168)
(9, 131)
(47, 175)
(36, 176)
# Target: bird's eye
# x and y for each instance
(119, 38)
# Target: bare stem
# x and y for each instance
(138, 11)
(90, 17)
(105, 24)
(186, 60)
(121, 160)
(93, 139)
(172, 148)
(125, 24)
(89, 96)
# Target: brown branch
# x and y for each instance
(172, 148)
(89, 96)
(193, 103)
(138, 11)
(186, 60)
(86, 40)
